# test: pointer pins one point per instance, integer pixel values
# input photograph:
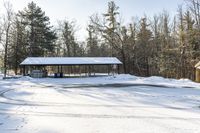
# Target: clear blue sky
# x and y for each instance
(80, 10)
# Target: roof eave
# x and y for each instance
(67, 64)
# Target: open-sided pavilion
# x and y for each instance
(85, 64)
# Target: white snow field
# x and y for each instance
(124, 104)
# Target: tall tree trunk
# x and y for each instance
(124, 61)
(6, 51)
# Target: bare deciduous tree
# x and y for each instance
(7, 22)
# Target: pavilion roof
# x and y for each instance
(30, 61)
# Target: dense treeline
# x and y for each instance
(161, 45)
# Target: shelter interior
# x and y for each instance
(60, 71)
(69, 66)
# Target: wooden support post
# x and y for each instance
(61, 72)
(108, 70)
(61, 69)
(118, 69)
(73, 70)
(79, 70)
(85, 70)
(89, 72)
(58, 69)
(24, 70)
(70, 69)
(94, 70)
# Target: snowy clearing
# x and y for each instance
(124, 104)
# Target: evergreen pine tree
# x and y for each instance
(41, 37)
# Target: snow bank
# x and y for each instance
(155, 80)
(119, 79)
(29, 106)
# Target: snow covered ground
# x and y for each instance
(121, 104)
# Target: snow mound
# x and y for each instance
(26, 78)
(156, 80)
(119, 79)
(126, 76)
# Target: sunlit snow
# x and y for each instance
(120, 104)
